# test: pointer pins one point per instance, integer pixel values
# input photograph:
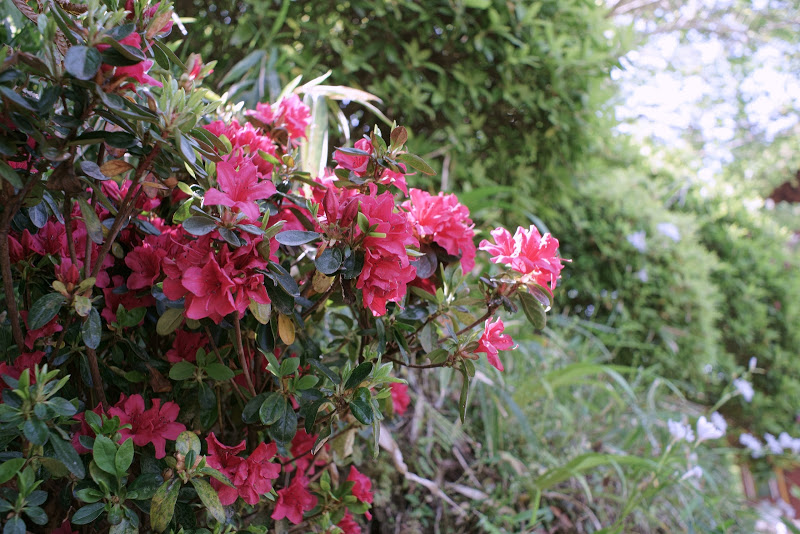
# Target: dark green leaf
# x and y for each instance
(197, 225)
(104, 454)
(272, 408)
(62, 406)
(362, 411)
(88, 513)
(44, 309)
(14, 97)
(329, 261)
(35, 431)
(9, 468)
(253, 407)
(296, 237)
(36, 498)
(358, 375)
(10, 175)
(36, 515)
(327, 371)
(285, 427)
(66, 454)
(15, 525)
(182, 370)
(83, 62)
(91, 169)
(145, 486)
(462, 399)
(124, 457)
(91, 329)
(218, 371)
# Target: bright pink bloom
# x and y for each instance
(387, 269)
(241, 189)
(357, 164)
(225, 460)
(145, 264)
(493, 340)
(362, 485)
(252, 476)
(185, 346)
(397, 179)
(301, 447)
(210, 289)
(129, 300)
(443, 220)
(295, 115)
(528, 253)
(348, 524)
(294, 501)
(52, 238)
(400, 398)
(155, 425)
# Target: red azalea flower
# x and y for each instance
(225, 460)
(254, 477)
(528, 253)
(357, 164)
(156, 425)
(241, 189)
(185, 346)
(65, 528)
(210, 289)
(400, 398)
(145, 264)
(443, 220)
(387, 269)
(294, 115)
(362, 485)
(348, 524)
(294, 501)
(26, 360)
(44, 333)
(493, 340)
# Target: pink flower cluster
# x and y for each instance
(527, 252)
(290, 113)
(441, 219)
(359, 164)
(155, 425)
(493, 340)
(251, 476)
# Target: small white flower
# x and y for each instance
(751, 366)
(707, 430)
(642, 275)
(637, 239)
(744, 388)
(670, 230)
(694, 472)
(789, 443)
(719, 422)
(772, 444)
(680, 431)
(752, 443)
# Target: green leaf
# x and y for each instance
(187, 441)
(329, 261)
(16, 98)
(9, 469)
(296, 237)
(182, 370)
(533, 309)
(129, 318)
(199, 225)
(272, 408)
(36, 514)
(93, 225)
(44, 309)
(145, 486)
(35, 431)
(89, 495)
(10, 175)
(88, 513)
(124, 457)
(416, 162)
(62, 406)
(358, 375)
(464, 397)
(15, 525)
(588, 461)
(83, 62)
(169, 321)
(91, 329)
(104, 454)
(164, 49)
(289, 366)
(67, 455)
(285, 427)
(253, 407)
(362, 411)
(210, 499)
(218, 371)
(162, 507)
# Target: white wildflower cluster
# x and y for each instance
(783, 444)
(744, 388)
(706, 430)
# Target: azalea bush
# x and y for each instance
(207, 323)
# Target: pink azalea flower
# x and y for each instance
(185, 346)
(387, 269)
(400, 398)
(493, 340)
(294, 500)
(528, 253)
(252, 476)
(145, 264)
(348, 524)
(357, 164)
(444, 221)
(155, 425)
(210, 289)
(362, 485)
(225, 460)
(240, 189)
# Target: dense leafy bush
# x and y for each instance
(505, 91)
(196, 331)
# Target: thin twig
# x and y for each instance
(242, 359)
(97, 381)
